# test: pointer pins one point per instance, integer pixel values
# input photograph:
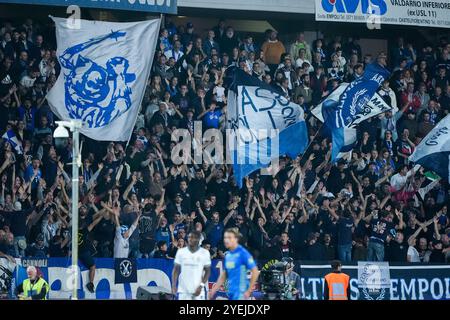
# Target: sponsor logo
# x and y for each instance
(126, 268)
(355, 6)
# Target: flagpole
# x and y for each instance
(311, 141)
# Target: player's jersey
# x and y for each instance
(192, 266)
(237, 263)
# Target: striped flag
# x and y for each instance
(11, 137)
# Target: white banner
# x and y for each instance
(433, 152)
(436, 141)
(373, 275)
(428, 13)
(104, 71)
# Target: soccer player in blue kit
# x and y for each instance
(236, 264)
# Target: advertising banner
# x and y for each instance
(407, 282)
(157, 6)
(375, 13)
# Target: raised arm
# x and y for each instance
(130, 231)
(128, 189)
(228, 217)
(94, 177)
(94, 223)
(436, 228)
(200, 212)
(260, 210)
(414, 236)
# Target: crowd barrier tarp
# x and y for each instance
(150, 272)
(159, 6)
(407, 281)
(375, 13)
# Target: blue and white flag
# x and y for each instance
(349, 138)
(374, 106)
(350, 105)
(264, 123)
(15, 143)
(104, 71)
(433, 152)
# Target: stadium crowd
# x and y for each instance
(134, 202)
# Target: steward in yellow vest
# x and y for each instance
(33, 288)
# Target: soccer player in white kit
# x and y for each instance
(192, 268)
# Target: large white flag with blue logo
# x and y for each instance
(104, 71)
(264, 123)
(433, 152)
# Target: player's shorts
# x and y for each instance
(235, 295)
(190, 296)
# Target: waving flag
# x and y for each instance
(433, 152)
(104, 71)
(351, 105)
(375, 106)
(11, 137)
(263, 123)
(348, 141)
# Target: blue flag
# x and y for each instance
(15, 143)
(341, 117)
(264, 124)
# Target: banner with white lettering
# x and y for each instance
(375, 13)
(260, 116)
(375, 106)
(433, 152)
(407, 281)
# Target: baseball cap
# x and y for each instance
(189, 25)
